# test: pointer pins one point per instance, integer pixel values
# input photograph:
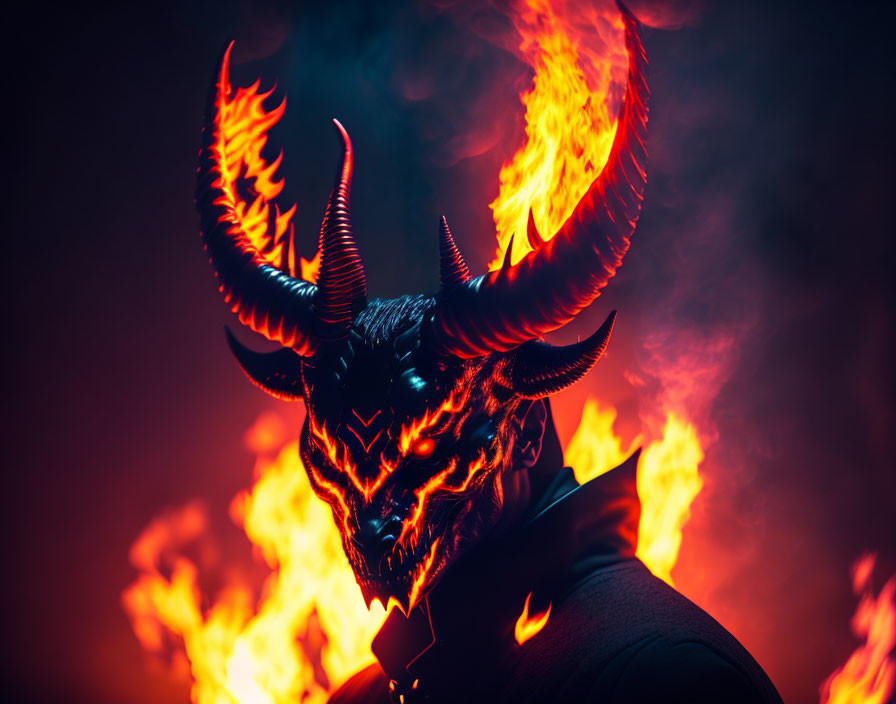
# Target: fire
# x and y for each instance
(668, 481)
(528, 626)
(306, 631)
(243, 124)
(594, 448)
(869, 675)
(578, 54)
(668, 478)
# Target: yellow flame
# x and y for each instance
(307, 633)
(869, 675)
(668, 481)
(579, 58)
(668, 478)
(594, 448)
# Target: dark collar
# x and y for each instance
(464, 630)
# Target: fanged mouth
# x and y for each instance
(403, 574)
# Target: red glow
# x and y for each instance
(423, 448)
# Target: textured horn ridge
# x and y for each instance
(452, 267)
(551, 285)
(539, 369)
(264, 298)
(342, 287)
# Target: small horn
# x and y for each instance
(532, 234)
(547, 288)
(539, 369)
(452, 267)
(278, 373)
(342, 287)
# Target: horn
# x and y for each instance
(342, 287)
(266, 299)
(278, 373)
(452, 267)
(551, 285)
(538, 369)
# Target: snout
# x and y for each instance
(376, 539)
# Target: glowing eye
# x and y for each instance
(424, 447)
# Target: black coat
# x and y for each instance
(615, 634)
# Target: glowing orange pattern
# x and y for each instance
(437, 483)
(339, 457)
(422, 575)
(529, 626)
(411, 433)
(869, 675)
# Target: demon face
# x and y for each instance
(409, 454)
(418, 408)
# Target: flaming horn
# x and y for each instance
(502, 311)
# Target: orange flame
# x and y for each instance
(578, 53)
(305, 634)
(668, 478)
(242, 130)
(869, 675)
(306, 630)
(529, 626)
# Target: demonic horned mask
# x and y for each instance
(417, 407)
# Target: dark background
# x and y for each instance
(768, 224)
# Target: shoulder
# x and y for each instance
(365, 687)
(686, 672)
(623, 630)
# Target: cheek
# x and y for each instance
(483, 512)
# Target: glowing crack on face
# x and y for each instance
(339, 457)
(411, 474)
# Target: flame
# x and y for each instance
(306, 632)
(668, 478)
(869, 675)
(577, 51)
(594, 448)
(668, 481)
(529, 626)
(242, 125)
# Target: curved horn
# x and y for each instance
(538, 369)
(503, 309)
(341, 283)
(268, 301)
(278, 373)
(452, 267)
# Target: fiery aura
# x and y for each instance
(305, 629)
(668, 477)
(302, 633)
(577, 52)
(869, 675)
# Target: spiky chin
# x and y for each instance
(404, 577)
